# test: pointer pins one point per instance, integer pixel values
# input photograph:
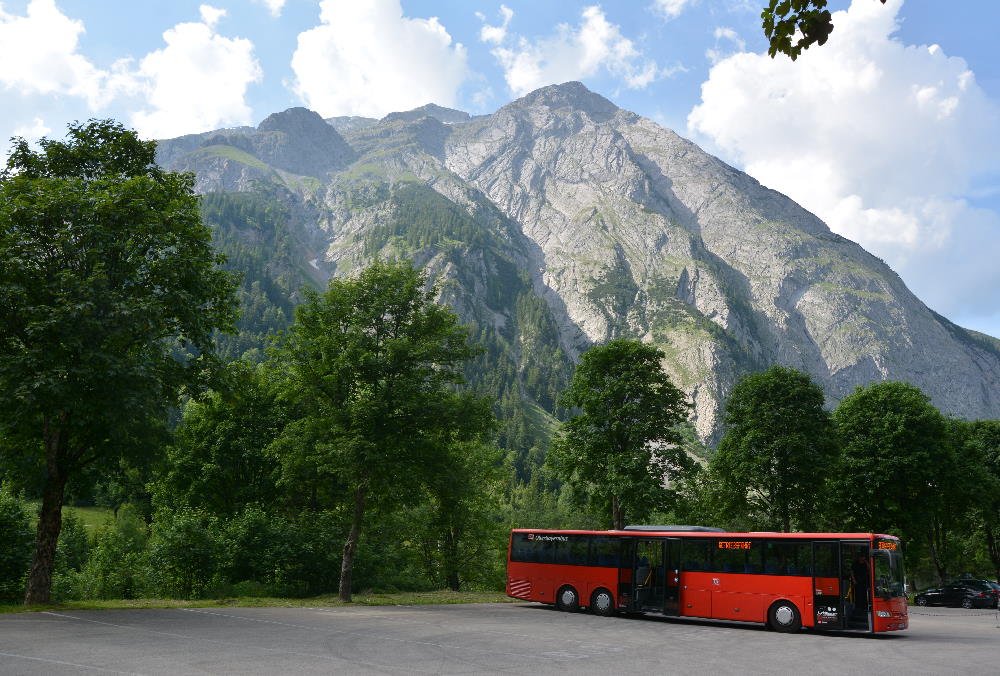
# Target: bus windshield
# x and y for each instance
(889, 576)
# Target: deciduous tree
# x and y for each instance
(371, 366)
(776, 454)
(896, 455)
(109, 295)
(623, 446)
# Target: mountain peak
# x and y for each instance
(446, 115)
(296, 120)
(569, 95)
(309, 146)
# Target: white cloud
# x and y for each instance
(274, 6)
(670, 9)
(210, 15)
(723, 33)
(574, 53)
(34, 131)
(366, 58)
(495, 34)
(197, 82)
(881, 140)
(38, 55)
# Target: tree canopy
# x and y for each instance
(110, 293)
(779, 445)
(894, 452)
(622, 447)
(370, 368)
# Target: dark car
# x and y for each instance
(965, 595)
(996, 593)
(981, 585)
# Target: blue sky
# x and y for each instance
(890, 132)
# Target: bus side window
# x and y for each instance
(826, 559)
(803, 558)
(604, 552)
(726, 560)
(523, 550)
(695, 554)
(755, 558)
(576, 553)
(788, 557)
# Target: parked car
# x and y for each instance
(956, 595)
(981, 585)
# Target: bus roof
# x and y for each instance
(713, 534)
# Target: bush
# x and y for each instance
(17, 542)
(115, 567)
(310, 562)
(184, 553)
(255, 547)
(73, 545)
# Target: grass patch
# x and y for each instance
(231, 153)
(91, 517)
(324, 601)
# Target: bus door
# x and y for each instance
(672, 564)
(856, 584)
(828, 602)
(649, 575)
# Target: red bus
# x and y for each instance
(845, 581)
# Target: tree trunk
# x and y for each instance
(351, 546)
(993, 547)
(617, 518)
(934, 551)
(49, 519)
(451, 560)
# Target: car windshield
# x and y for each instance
(889, 576)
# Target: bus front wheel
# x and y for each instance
(602, 603)
(784, 616)
(567, 599)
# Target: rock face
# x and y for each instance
(621, 227)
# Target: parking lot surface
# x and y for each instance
(475, 639)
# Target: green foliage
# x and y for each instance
(256, 546)
(184, 553)
(218, 460)
(774, 460)
(783, 18)
(15, 552)
(369, 370)
(110, 294)
(894, 450)
(624, 446)
(463, 487)
(116, 563)
(979, 447)
(74, 543)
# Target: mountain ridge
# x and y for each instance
(618, 227)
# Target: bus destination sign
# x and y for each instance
(734, 544)
(886, 544)
(547, 538)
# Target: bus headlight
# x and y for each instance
(883, 613)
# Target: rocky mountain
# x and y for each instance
(561, 221)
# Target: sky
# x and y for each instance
(890, 132)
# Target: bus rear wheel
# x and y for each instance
(784, 617)
(567, 599)
(602, 603)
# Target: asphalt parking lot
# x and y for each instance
(474, 639)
